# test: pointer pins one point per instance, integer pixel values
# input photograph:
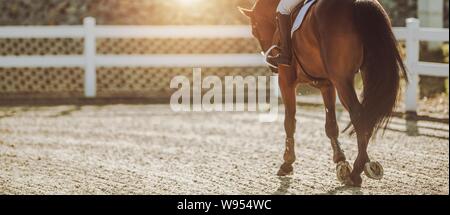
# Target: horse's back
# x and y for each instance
(335, 15)
(328, 38)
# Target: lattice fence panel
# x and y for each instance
(112, 82)
(41, 82)
(38, 46)
(176, 46)
(155, 82)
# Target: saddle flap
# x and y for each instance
(299, 14)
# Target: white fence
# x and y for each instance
(412, 34)
(90, 60)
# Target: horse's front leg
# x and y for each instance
(287, 82)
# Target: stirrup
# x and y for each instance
(267, 55)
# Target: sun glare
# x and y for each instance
(187, 2)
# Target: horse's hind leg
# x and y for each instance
(331, 127)
(350, 100)
(288, 86)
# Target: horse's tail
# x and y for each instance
(382, 67)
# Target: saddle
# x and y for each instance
(299, 13)
(297, 18)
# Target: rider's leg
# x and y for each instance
(284, 10)
(286, 7)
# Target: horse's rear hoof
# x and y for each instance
(374, 170)
(282, 173)
(349, 182)
(343, 171)
(285, 170)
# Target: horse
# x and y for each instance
(337, 40)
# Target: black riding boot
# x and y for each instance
(284, 26)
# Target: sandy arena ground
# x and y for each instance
(148, 149)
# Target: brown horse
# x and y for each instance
(337, 40)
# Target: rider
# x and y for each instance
(284, 10)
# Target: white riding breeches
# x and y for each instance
(286, 7)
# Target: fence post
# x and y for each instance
(412, 59)
(90, 76)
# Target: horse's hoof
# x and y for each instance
(374, 170)
(283, 173)
(352, 181)
(343, 171)
(285, 170)
(349, 182)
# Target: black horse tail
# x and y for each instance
(383, 66)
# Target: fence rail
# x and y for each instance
(413, 34)
(90, 60)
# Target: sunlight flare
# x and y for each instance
(187, 2)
